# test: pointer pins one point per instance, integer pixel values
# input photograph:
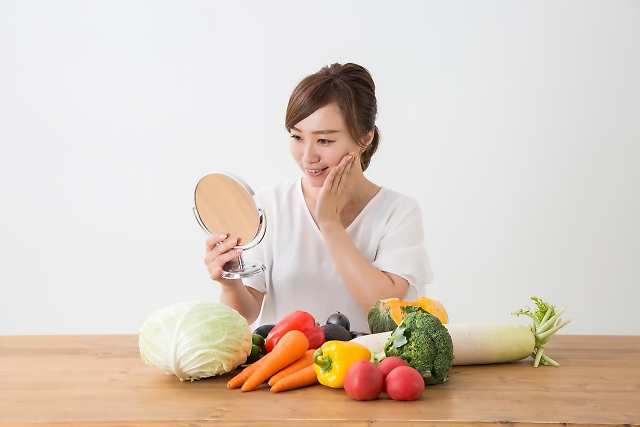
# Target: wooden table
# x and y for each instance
(100, 380)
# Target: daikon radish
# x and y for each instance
(481, 343)
(375, 343)
(484, 343)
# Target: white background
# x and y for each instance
(516, 126)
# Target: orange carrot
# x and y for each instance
(301, 378)
(303, 362)
(239, 379)
(290, 348)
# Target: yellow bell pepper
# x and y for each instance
(334, 358)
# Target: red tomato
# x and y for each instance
(404, 383)
(388, 364)
(363, 381)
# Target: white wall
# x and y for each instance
(514, 124)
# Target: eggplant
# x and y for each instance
(335, 332)
(339, 319)
(263, 330)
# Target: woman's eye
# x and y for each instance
(296, 137)
(323, 141)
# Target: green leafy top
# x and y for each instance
(545, 322)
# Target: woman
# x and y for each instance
(336, 241)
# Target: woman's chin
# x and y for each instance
(314, 181)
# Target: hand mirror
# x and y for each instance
(224, 203)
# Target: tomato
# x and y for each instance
(388, 364)
(404, 383)
(363, 381)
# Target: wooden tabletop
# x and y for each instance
(100, 380)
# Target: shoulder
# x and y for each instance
(398, 203)
(395, 210)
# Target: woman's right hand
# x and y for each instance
(220, 250)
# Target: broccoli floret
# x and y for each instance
(425, 344)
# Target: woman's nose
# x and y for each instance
(309, 155)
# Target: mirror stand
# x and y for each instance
(240, 269)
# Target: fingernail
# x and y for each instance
(238, 251)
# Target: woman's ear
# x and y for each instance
(367, 141)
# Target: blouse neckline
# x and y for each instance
(310, 217)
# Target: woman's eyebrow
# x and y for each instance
(324, 132)
(317, 132)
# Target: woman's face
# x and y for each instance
(320, 141)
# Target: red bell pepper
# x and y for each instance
(301, 321)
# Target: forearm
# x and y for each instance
(367, 283)
(235, 294)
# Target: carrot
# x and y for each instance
(303, 362)
(302, 378)
(290, 348)
(239, 379)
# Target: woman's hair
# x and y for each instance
(352, 88)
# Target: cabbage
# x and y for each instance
(195, 340)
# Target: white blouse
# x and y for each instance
(300, 273)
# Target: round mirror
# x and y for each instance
(224, 203)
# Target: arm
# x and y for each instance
(245, 300)
(367, 283)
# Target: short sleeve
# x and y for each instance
(401, 250)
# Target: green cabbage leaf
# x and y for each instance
(195, 340)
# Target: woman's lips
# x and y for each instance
(315, 172)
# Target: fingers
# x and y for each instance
(219, 251)
(349, 165)
(215, 239)
(338, 175)
(215, 267)
(328, 183)
(344, 170)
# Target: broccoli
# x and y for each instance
(425, 344)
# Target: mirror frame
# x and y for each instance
(262, 218)
(238, 269)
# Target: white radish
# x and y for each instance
(473, 343)
(374, 342)
(484, 343)
(481, 343)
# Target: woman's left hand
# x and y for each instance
(333, 194)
